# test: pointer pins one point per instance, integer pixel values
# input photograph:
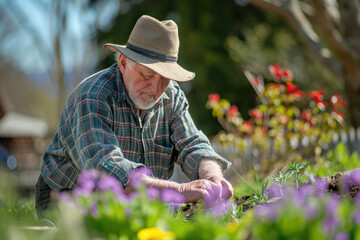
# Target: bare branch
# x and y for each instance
(292, 12)
(329, 32)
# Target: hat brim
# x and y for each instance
(170, 70)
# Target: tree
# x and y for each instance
(62, 42)
(331, 31)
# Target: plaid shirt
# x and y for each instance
(100, 128)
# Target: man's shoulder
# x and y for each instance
(99, 85)
(174, 92)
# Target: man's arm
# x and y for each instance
(192, 191)
(212, 171)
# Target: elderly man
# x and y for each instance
(133, 115)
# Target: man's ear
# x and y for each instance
(122, 62)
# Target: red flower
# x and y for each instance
(336, 101)
(317, 96)
(255, 81)
(215, 97)
(275, 70)
(298, 93)
(247, 127)
(256, 113)
(233, 111)
(280, 73)
(306, 115)
(291, 88)
(287, 74)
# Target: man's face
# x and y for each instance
(144, 85)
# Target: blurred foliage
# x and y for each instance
(335, 161)
(287, 125)
(218, 42)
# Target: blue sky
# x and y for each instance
(18, 46)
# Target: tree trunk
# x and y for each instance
(352, 89)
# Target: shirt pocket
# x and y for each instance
(160, 160)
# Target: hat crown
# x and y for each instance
(155, 36)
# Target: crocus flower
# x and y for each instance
(212, 199)
(352, 179)
(274, 191)
(94, 210)
(86, 181)
(169, 195)
(152, 193)
(136, 175)
(357, 217)
(341, 236)
(331, 221)
(111, 183)
(107, 182)
(311, 211)
(266, 211)
(222, 207)
(321, 185)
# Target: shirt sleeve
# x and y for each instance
(193, 146)
(91, 142)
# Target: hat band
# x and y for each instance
(151, 54)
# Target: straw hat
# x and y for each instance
(155, 44)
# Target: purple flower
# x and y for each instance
(357, 217)
(79, 191)
(321, 186)
(94, 210)
(214, 195)
(128, 212)
(352, 179)
(86, 182)
(66, 197)
(152, 193)
(274, 191)
(136, 175)
(357, 199)
(330, 223)
(331, 206)
(341, 236)
(222, 207)
(169, 195)
(266, 211)
(107, 182)
(311, 211)
(88, 178)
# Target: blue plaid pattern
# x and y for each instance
(100, 128)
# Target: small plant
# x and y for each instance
(287, 125)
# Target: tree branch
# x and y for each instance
(291, 11)
(329, 32)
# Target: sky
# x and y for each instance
(19, 47)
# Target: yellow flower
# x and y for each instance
(154, 234)
(232, 226)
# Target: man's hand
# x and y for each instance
(196, 190)
(211, 170)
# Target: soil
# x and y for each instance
(335, 185)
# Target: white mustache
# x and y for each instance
(149, 93)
